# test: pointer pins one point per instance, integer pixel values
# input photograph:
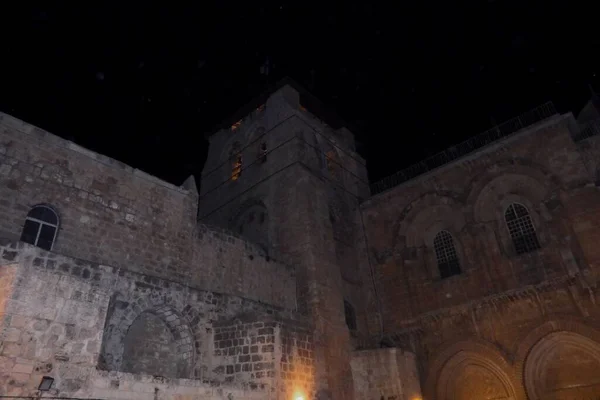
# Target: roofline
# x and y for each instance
(313, 105)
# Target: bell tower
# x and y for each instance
(285, 180)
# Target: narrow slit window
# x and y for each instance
(445, 252)
(262, 153)
(40, 227)
(521, 229)
(350, 316)
(236, 171)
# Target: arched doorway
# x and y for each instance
(469, 375)
(563, 365)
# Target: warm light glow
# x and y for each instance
(236, 125)
(298, 397)
(236, 171)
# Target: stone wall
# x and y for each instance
(308, 187)
(389, 374)
(114, 215)
(468, 328)
(72, 320)
(109, 212)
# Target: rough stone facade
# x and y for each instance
(510, 325)
(283, 278)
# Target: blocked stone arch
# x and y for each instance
(251, 221)
(559, 360)
(471, 369)
(123, 317)
(422, 220)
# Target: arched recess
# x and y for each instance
(425, 219)
(411, 215)
(470, 370)
(562, 366)
(138, 342)
(490, 202)
(251, 221)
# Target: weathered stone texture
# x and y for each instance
(65, 323)
(109, 212)
(467, 330)
(390, 374)
(138, 300)
(312, 222)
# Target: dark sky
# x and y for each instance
(142, 83)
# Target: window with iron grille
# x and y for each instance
(521, 229)
(445, 252)
(41, 225)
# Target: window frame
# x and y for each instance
(528, 221)
(41, 223)
(448, 247)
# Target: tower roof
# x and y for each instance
(308, 101)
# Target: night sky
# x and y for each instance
(143, 83)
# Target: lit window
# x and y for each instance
(236, 125)
(350, 316)
(236, 171)
(40, 227)
(445, 252)
(521, 229)
(262, 153)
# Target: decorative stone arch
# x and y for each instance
(516, 166)
(412, 209)
(537, 354)
(122, 318)
(493, 193)
(422, 220)
(470, 369)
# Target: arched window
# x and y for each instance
(236, 170)
(40, 227)
(521, 229)
(262, 153)
(350, 316)
(446, 255)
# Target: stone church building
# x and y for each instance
(472, 275)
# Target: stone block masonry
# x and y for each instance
(106, 332)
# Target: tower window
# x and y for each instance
(350, 316)
(521, 229)
(41, 225)
(330, 160)
(236, 125)
(262, 153)
(236, 170)
(445, 252)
